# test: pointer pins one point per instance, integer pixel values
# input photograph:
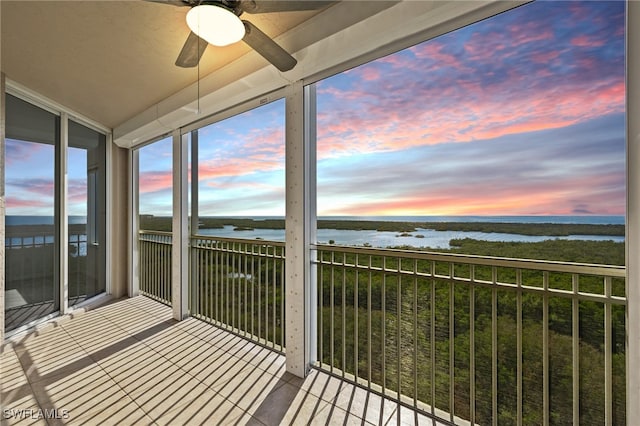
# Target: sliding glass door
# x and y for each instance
(31, 274)
(34, 169)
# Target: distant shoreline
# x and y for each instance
(160, 223)
(163, 223)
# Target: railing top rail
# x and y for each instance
(540, 265)
(238, 240)
(149, 232)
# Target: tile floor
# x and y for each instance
(128, 363)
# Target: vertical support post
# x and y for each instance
(134, 223)
(311, 271)
(61, 213)
(299, 195)
(633, 210)
(2, 207)
(180, 241)
(194, 277)
(109, 243)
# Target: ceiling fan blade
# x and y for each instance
(191, 52)
(171, 2)
(269, 49)
(269, 6)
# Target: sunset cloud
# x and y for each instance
(155, 180)
(529, 173)
(513, 73)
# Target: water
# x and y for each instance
(428, 237)
(41, 220)
(593, 220)
(418, 238)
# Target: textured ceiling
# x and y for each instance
(110, 60)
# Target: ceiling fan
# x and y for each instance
(218, 22)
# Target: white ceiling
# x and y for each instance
(110, 60)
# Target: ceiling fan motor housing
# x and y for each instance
(235, 6)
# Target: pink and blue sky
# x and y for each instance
(521, 114)
(30, 188)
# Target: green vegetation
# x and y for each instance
(418, 330)
(596, 252)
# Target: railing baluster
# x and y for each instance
(321, 309)
(245, 259)
(369, 309)
(235, 280)
(273, 297)
(227, 297)
(575, 349)
(494, 346)
(608, 353)
(209, 277)
(545, 348)
(253, 287)
(282, 293)
(472, 344)
(415, 335)
(399, 336)
(452, 388)
(344, 314)
(355, 323)
(519, 345)
(384, 325)
(332, 305)
(432, 338)
(260, 248)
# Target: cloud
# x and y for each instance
(155, 181)
(540, 172)
(37, 187)
(261, 202)
(513, 73)
(586, 41)
(20, 152)
(16, 205)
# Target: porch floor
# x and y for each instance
(128, 362)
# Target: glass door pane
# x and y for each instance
(86, 212)
(31, 284)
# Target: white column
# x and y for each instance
(109, 203)
(134, 223)
(311, 215)
(300, 213)
(193, 226)
(2, 207)
(633, 211)
(63, 222)
(180, 244)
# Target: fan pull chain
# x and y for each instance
(198, 100)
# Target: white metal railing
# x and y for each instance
(155, 265)
(238, 284)
(30, 254)
(465, 339)
(472, 339)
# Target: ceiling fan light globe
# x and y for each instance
(215, 24)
